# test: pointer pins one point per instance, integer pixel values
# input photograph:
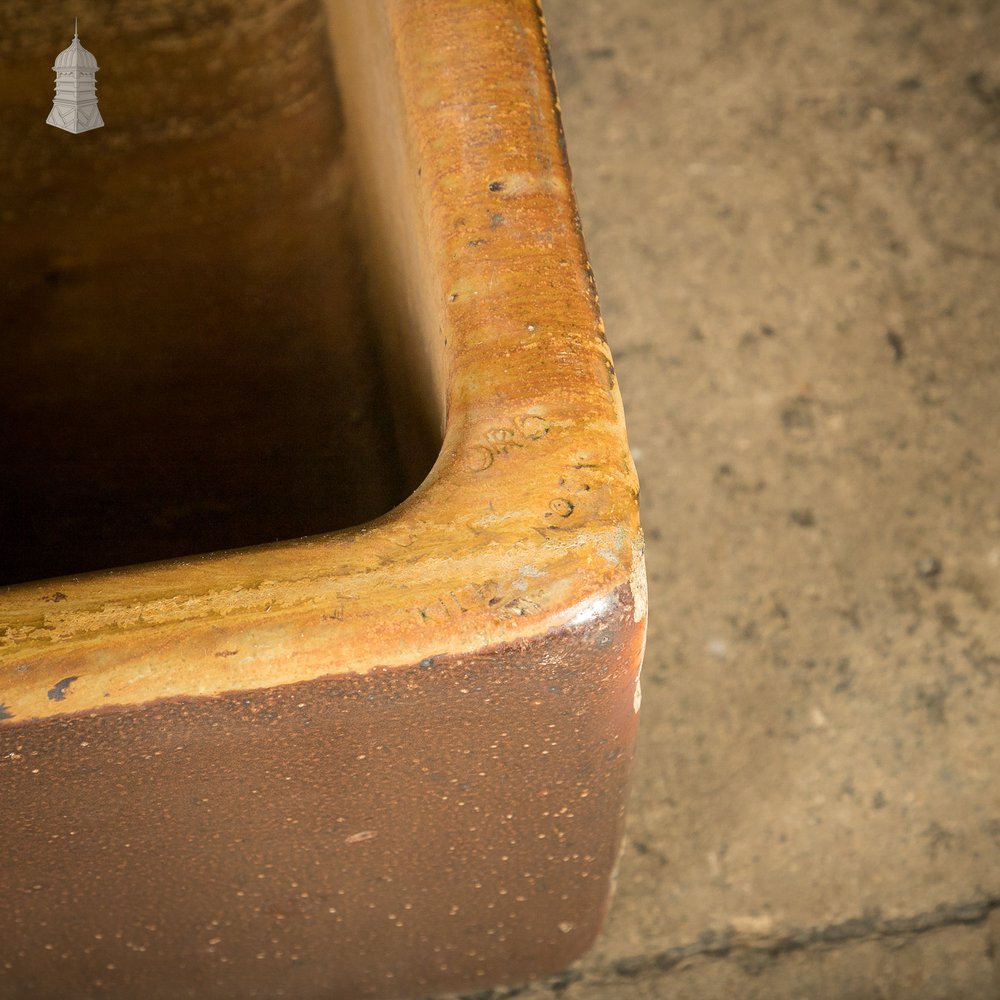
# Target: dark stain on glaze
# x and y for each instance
(61, 688)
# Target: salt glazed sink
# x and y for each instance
(324, 599)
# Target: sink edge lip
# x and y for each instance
(420, 580)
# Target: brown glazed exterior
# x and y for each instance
(411, 830)
(391, 760)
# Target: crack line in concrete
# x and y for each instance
(712, 945)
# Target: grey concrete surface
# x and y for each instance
(792, 210)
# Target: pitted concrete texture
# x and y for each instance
(793, 212)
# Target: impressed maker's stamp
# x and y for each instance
(499, 441)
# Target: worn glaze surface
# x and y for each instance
(373, 713)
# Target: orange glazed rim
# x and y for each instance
(528, 520)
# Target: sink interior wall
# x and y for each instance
(188, 362)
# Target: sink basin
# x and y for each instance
(323, 594)
(190, 361)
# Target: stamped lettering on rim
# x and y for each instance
(498, 441)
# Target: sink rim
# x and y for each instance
(528, 520)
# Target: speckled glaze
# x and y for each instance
(395, 833)
(393, 759)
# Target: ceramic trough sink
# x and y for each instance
(323, 594)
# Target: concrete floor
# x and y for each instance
(793, 211)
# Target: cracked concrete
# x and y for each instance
(948, 953)
(792, 211)
(952, 962)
